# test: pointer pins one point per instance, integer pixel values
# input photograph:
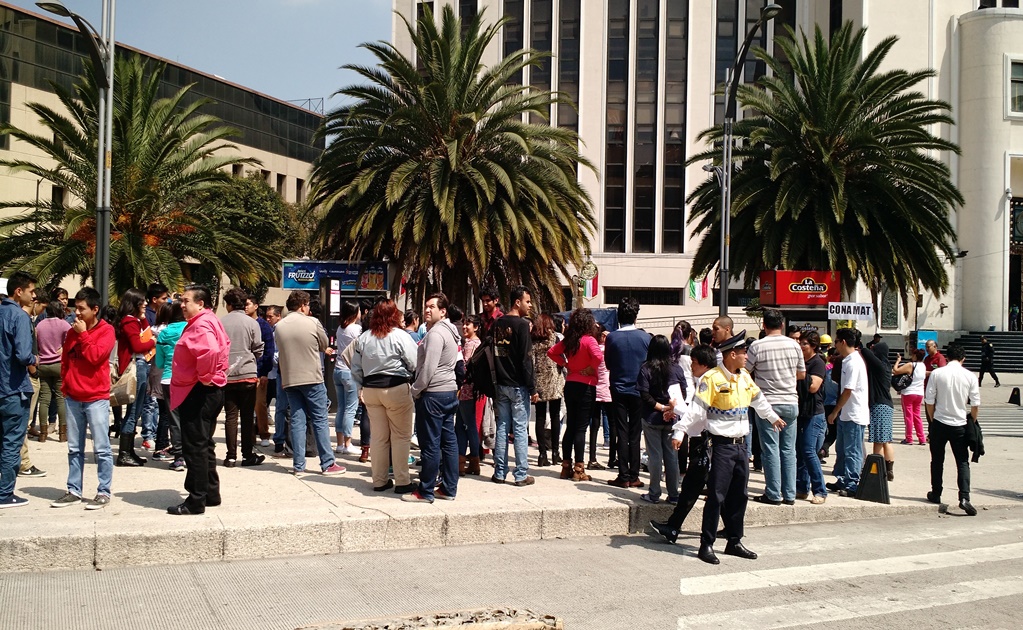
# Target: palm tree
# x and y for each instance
(169, 162)
(434, 167)
(837, 170)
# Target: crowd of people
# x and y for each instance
(703, 406)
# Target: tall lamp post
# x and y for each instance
(724, 175)
(101, 51)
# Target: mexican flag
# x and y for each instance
(590, 288)
(699, 291)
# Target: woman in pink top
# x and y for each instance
(598, 416)
(581, 355)
(50, 334)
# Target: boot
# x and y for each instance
(579, 473)
(130, 442)
(542, 459)
(44, 429)
(555, 458)
(888, 468)
(62, 433)
(461, 465)
(566, 469)
(364, 456)
(126, 451)
(473, 467)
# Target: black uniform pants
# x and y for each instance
(199, 413)
(726, 491)
(987, 367)
(693, 482)
(628, 416)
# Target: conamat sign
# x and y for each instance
(850, 310)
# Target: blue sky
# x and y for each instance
(289, 49)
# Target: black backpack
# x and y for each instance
(481, 371)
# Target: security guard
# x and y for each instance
(723, 397)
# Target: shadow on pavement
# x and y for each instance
(159, 499)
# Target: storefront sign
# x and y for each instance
(799, 288)
(307, 274)
(850, 310)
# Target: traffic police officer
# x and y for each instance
(723, 397)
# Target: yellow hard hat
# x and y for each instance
(826, 340)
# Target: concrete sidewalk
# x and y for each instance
(268, 512)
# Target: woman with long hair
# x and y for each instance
(550, 384)
(383, 364)
(172, 319)
(348, 331)
(135, 342)
(657, 376)
(470, 414)
(581, 355)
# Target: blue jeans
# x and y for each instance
(309, 403)
(133, 413)
(347, 402)
(809, 474)
(94, 414)
(280, 416)
(511, 408)
(14, 413)
(466, 431)
(435, 426)
(778, 454)
(150, 417)
(849, 451)
(660, 453)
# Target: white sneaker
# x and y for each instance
(340, 450)
(265, 443)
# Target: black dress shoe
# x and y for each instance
(738, 550)
(213, 502)
(966, 506)
(386, 486)
(934, 497)
(707, 554)
(183, 510)
(404, 489)
(834, 486)
(255, 460)
(762, 498)
(789, 501)
(670, 535)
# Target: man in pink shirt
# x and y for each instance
(198, 376)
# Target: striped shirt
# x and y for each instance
(774, 362)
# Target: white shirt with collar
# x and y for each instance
(952, 390)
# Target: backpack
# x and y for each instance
(481, 371)
(902, 381)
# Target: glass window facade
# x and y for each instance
(617, 118)
(735, 19)
(568, 61)
(1016, 88)
(645, 138)
(35, 52)
(467, 10)
(513, 31)
(676, 63)
(541, 38)
(658, 297)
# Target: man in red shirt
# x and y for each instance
(934, 359)
(85, 383)
(489, 298)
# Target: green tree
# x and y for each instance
(837, 169)
(434, 167)
(168, 161)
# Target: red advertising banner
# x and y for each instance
(799, 288)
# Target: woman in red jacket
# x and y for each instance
(135, 342)
(580, 353)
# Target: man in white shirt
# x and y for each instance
(776, 363)
(852, 412)
(949, 390)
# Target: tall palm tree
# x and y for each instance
(434, 167)
(168, 162)
(837, 170)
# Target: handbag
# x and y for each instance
(902, 381)
(123, 387)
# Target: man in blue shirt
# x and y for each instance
(17, 361)
(624, 352)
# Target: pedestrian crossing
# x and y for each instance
(871, 591)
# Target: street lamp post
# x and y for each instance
(101, 51)
(724, 177)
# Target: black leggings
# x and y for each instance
(543, 442)
(596, 427)
(579, 399)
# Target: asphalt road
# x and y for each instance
(941, 571)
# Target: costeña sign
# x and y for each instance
(850, 310)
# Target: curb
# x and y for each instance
(133, 542)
